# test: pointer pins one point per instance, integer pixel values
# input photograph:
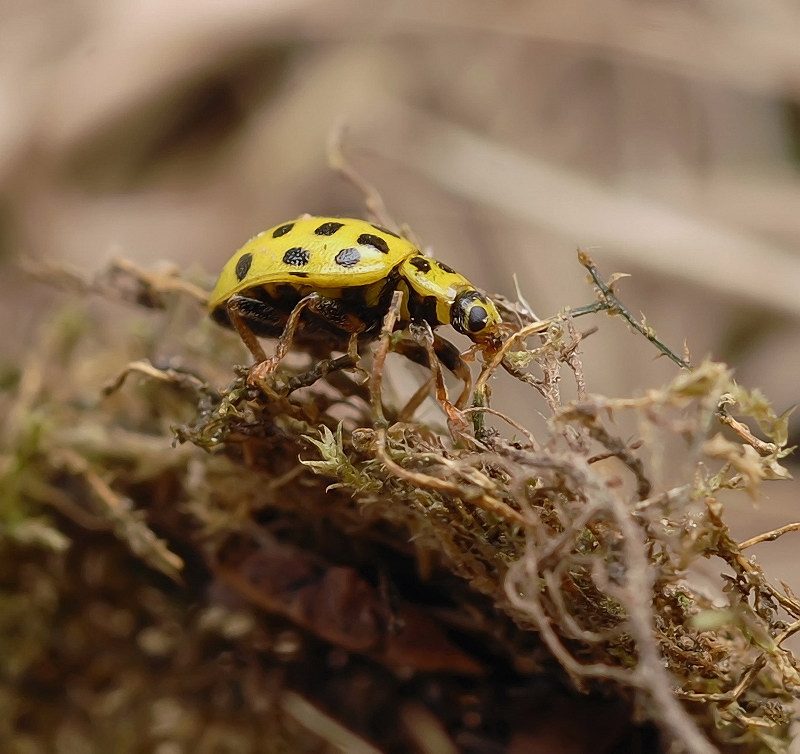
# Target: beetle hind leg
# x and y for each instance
(251, 318)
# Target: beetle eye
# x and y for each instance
(470, 314)
(477, 319)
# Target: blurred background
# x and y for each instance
(663, 137)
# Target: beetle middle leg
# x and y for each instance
(336, 314)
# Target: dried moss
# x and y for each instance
(216, 570)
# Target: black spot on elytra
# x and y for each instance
(282, 230)
(243, 265)
(328, 229)
(446, 268)
(299, 274)
(348, 257)
(384, 230)
(422, 264)
(297, 256)
(369, 240)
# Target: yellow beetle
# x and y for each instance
(344, 272)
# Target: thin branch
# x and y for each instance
(609, 298)
(765, 448)
(481, 500)
(338, 161)
(769, 536)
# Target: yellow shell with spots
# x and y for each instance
(322, 252)
(356, 265)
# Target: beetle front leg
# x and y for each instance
(441, 352)
(444, 353)
(450, 356)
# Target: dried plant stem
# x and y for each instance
(769, 536)
(329, 730)
(765, 448)
(119, 510)
(381, 351)
(649, 676)
(168, 376)
(426, 481)
(486, 410)
(338, 161)
(613, 303)
(650, 672)
(731, 696)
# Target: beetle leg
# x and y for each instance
(285, 340)
(336, 312)
(449, 355)
(241, 311)
(326, 308)
(425, 337)
(266, 365)
(415, 401)
(327, 367)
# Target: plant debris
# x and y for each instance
(319, 570)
